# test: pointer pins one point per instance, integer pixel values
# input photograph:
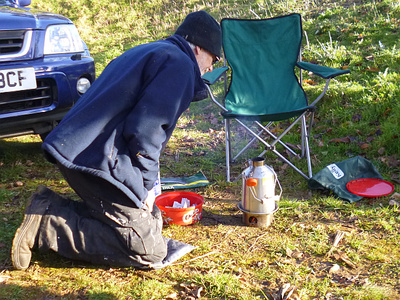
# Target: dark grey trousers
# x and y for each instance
(105, 228)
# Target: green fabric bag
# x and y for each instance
(336, 176)
(181, 183)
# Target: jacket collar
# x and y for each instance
(200, 89)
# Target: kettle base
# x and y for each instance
(254, 219)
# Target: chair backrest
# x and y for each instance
(262, 55)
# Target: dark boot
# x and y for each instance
(25, 235)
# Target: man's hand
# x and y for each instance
(150, 200)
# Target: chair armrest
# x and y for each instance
(322, 71)
(210, 78)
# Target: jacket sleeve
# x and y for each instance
(167, 91)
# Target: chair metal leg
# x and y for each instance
(308, 156)
(303, 135)
(228, 149)
(307, 144)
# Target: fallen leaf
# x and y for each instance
(364, 282)
(396, 196)
(374, 123)
(334, 269)
(198, 292)
(286, 292)
(4, 278)
(328, 296)
(340, 140)
(310, 82)
(276, 130)
(297, 254)
(352, 279)
(191, 291)
(378, 132)
(342, 256)
(287, 261)
(209, 106)
(352, 219)
(214, 121)
(172, 296)
(393, 162)
(289, 252)
(294, 146)
(387, 112)
(356, 117)
(372, 69)
(290, 154)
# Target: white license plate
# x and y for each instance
(12, 80)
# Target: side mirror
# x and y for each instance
(24, 2)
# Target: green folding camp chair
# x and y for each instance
(263, 88)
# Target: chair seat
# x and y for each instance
(268, 117)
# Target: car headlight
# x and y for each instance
(63, 38)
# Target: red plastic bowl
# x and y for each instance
(180, 216)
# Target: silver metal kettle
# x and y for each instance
(258, 187)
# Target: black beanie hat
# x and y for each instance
(200, 29)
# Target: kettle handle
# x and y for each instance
(276, 180)
(253, 192)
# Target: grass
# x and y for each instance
(359, 116)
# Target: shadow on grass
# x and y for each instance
(16, 292)
(16, 148)
(51, 259)
(212, 219)
(221, 211)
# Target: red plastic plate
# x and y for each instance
(370, 187)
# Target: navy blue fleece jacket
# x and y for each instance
(119, 127)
